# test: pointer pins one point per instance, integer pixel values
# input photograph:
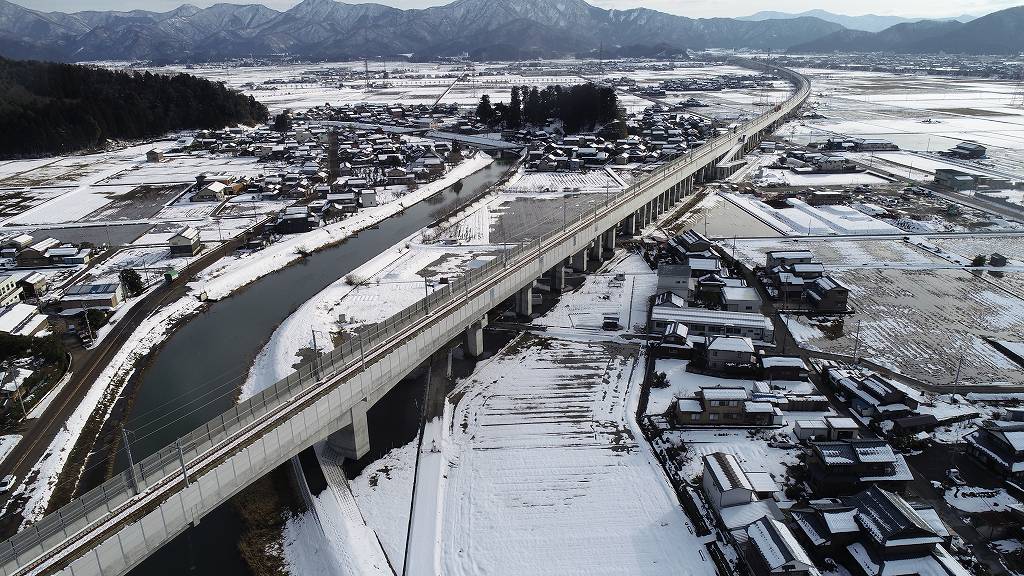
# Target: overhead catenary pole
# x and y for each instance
(181, 459)
(131, 461)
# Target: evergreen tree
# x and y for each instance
(484, 110)
(515, 110)
(283, 121)
(131, 281)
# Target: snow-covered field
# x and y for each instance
(545, 475)
(836, 252)
(920, 323)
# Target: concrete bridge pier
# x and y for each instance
(353, 441)
(558, 277)
(578, 261)
(628, 226)
(475, 337)
(595, 251)
(608, 244)
(524, 301)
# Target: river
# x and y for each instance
(197, 373)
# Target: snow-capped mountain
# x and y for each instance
(326, 29)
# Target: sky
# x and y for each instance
(691, 8)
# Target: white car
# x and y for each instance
(6, 484)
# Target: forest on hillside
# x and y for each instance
(48, 108)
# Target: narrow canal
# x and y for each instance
(197, 373)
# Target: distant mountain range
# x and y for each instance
(996, 33)
(865, 22)
(325, 29)
(481, 29)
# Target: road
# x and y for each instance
(86, 366)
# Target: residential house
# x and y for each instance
(212, 192)
(999, 444)
(721, 406)
(703, 322)
(69, 255)
(185, 242)
(730, 354)
(34, 256)
(743, 502)
(877, 532)
(845, 466)
(295, 220)
(870, 395)
(783, 367)
(108, 295)
(33, 284)
(786, 257)
(155, 155)
(10, 290)
(674, 278)
(22, 319)
(740, 299)
(692, 241)
(827, 428)
(968, 150)
(954, 179)
(769, 548)
(826, 294)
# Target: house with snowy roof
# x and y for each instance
(725, 406)
(845, 466)
(999, 445)
(826, 294)
(877, 532)
(769, 548)
(730, 353)
(870, 395)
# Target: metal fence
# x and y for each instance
(316, 377)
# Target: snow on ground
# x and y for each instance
(324, 540)
(971, 499)
(7, 444)
(837, 252)
(426, 526)
(233, 272)
(389, 282)
(383, 491)
(791, 178)
(545, 474)
(601, 294)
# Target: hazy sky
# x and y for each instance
(692, 8)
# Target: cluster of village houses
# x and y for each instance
(704, 84)
(334, 170)
(849, 504)
(655, 136)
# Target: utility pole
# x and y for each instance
(316, 353)
(856, 345)
(131, 461)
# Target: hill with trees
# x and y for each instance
(48, 108)
(579, 107)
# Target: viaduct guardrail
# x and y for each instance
(114, 526)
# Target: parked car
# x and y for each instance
(6, 484)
